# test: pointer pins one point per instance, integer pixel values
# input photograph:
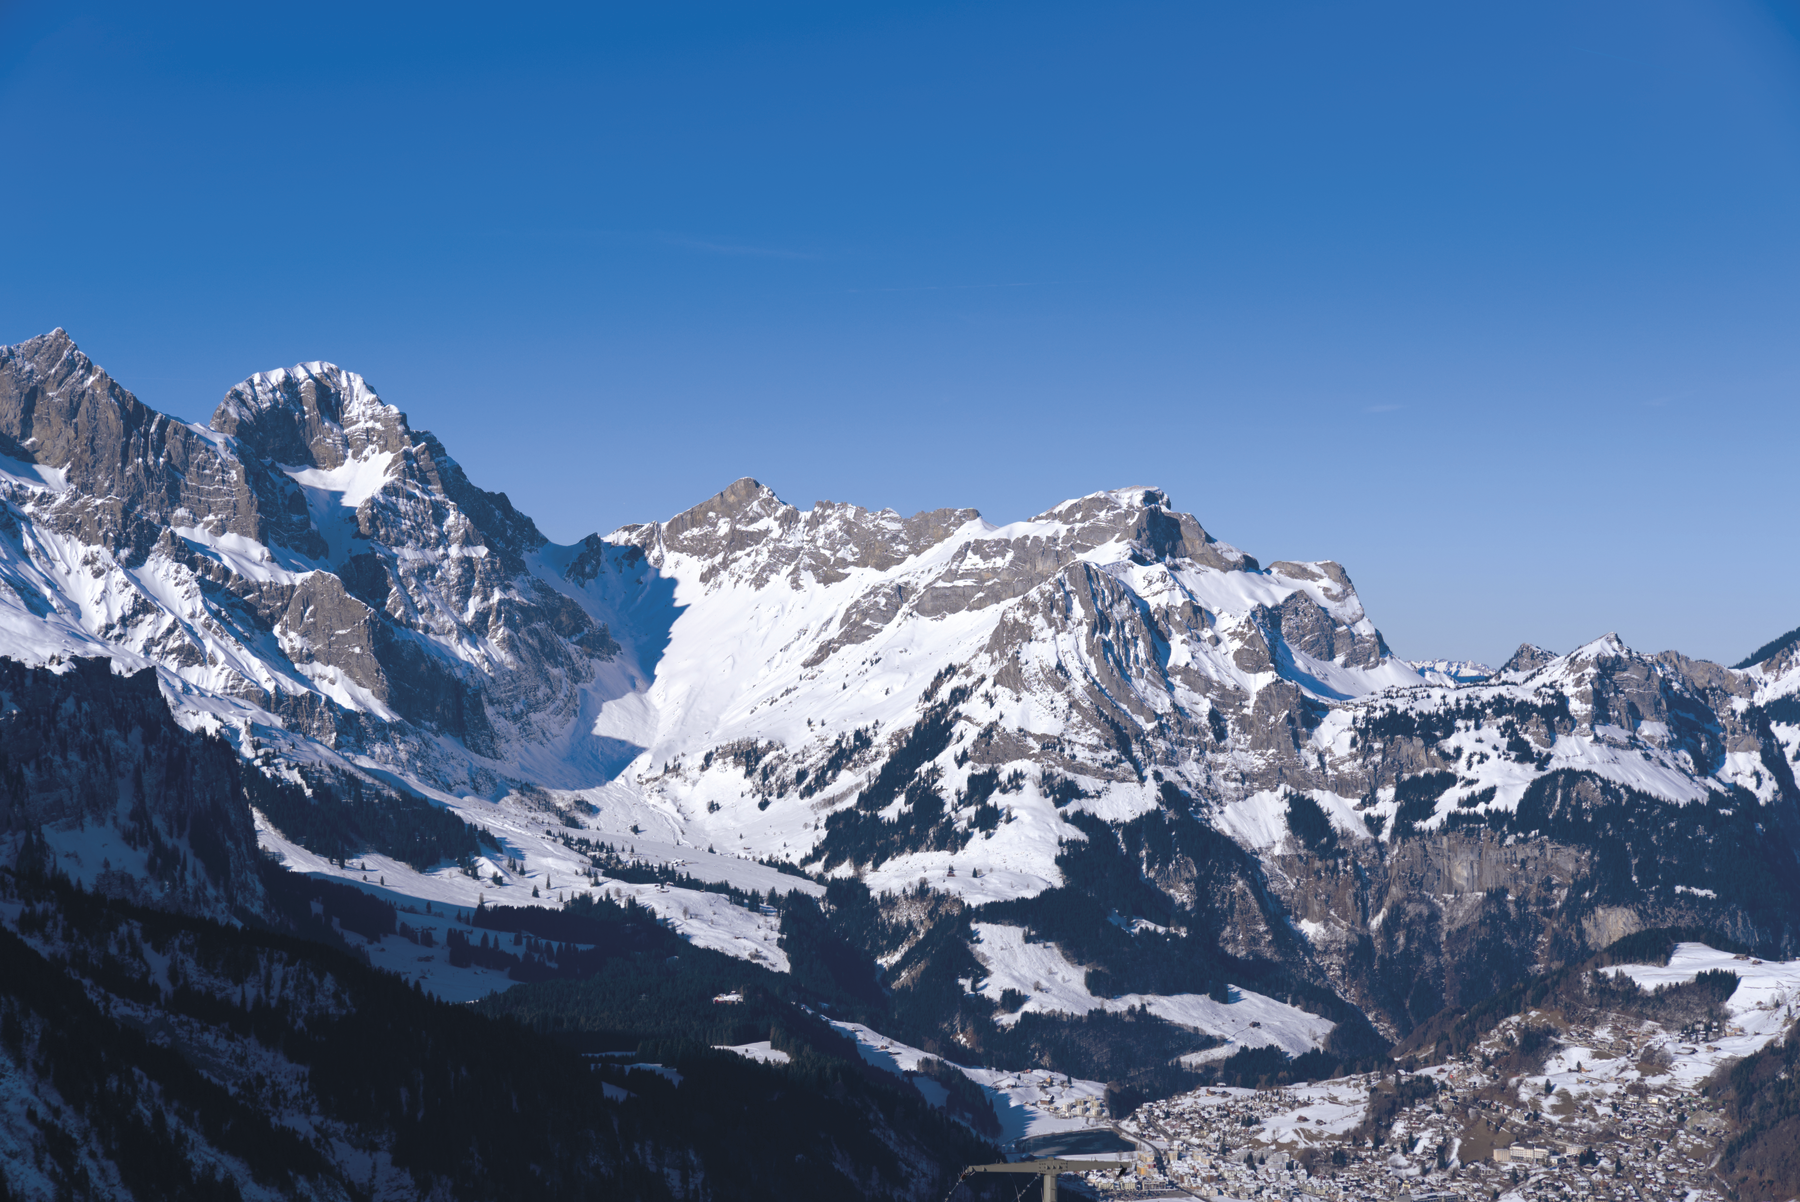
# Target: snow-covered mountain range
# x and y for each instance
(1450, 671)
(1113, 750)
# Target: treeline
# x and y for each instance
(1133, 1051)
(124, 1088)
(549, 943)
(1761, 1096)
(1110, 875)
(673, 1004)
(1136, 1052)
(1582, 988)
(374, 1055)
(860, 835)
(1432, 726)
(343, 820)
(625, 866)
(1641, 843)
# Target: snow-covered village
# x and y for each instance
(1611, 1107)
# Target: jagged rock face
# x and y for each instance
(1121, 673)
(127, 472)
(316, 415)
(311, 557)
(892, 696)
(156, 813)
(749, 532)
(1098, 611)
(1451, 917)
(1527, 659)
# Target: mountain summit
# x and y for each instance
(1182, 769)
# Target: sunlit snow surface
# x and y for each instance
(1053, 985)
(1761, 1009)
(1023, 1101)
(705, 919)
(755, 642)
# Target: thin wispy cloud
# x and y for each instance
(710, 246)
(954, 287)
(707, 246)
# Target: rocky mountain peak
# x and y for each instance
(1142, 519)
(747, 532)
(845, 687)
(743, 503)
(55, 402)
(1774, 656)
(1607, 646)
(1527, 659)
(310, 415)
(126, 472)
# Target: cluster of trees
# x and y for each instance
(1310, 827)
(1416, 797)
(372, 1054)
(980, 791)
(117, 1092)
(1769, 650)
(1062, 790)
(342, 820)
(622, 864)
(844, 750)
(1134, 1051)
(860, 835)
(1386, 724)
(661, 1005)
(1390, 1098)
(579, 940)
(962, 1097)
(1578, 988)
(1640, 843)
(1761, 1096)
(1108, 879)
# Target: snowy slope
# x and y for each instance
(1761, 1009)
(1450, 671)
(1051, 984)
(931, 698)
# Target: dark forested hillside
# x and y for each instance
(230, 1039)
(158, 1055)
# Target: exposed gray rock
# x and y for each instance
(333, 574)
(428, 608)
(1527, 659)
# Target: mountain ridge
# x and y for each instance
(930, 701)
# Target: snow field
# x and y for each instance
(1052, 985)
(761, 1051)
(709, 920)
(1761, 1009)
(1023, 1101)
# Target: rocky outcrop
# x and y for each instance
(328, 579)
(124, 474)
(310, 544)
(1526, 660)
(135, 804)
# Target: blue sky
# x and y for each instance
(1498, 305)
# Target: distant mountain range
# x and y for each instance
(1450, 671)
(1100, 735)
